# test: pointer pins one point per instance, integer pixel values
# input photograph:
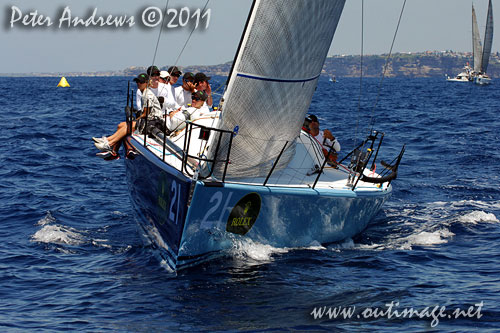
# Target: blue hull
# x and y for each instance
(159, 193)
(190, 231)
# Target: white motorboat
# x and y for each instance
(465, 76)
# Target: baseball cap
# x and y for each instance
(142, 78)
(200, 77)
(173, 70)
(188, 76)
(312, 118)
(164, 74)
(201, 95)
(153, 71)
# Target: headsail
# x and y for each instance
(488, 39)
(273, 80)
(477, 49)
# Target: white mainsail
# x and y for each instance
(488, 39)
(273, 79)
(482, 52)
(477, 48)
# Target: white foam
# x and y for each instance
(370, 246)
(47, 219)
(55, 234)
(422, 238)
(52, 233)
(315, 246)
(101, 243)
(346, 244)
(483, 205)
(118, 213)
(427, 225)
(475, 217)
(255, 251)
(429, 238)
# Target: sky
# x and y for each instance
(30, 45)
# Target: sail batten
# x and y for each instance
(273, 80)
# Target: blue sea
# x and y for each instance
(71, 257)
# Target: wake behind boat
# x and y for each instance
(248, 172)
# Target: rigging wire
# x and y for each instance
(158, 40)
(372, 119)
(161, 30)
(189, 37)
(159, 33)
(361, 74)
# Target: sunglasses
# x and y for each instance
(176, 75)
(189, 80)
(195, 99)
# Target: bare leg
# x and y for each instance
(120, 133)
(127, 145)
(112, 139)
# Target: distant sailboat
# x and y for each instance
(477, 73)
(482, 54)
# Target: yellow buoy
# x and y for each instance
(63, 82)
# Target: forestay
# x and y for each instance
(273, 79)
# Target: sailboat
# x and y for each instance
(481, 53)
(248, 172)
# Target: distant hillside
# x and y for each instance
(429, 64)
(422, 64)
(222, 69)
(425, 64)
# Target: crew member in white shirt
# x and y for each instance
(183, 93)
(175, 73)
(325, 138)
(176, 120)
(166, 90)
(110, 145)
(154, 73)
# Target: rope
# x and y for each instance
(372, 119)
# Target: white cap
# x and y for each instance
(164, 74)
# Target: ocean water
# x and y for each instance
(71, 258)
